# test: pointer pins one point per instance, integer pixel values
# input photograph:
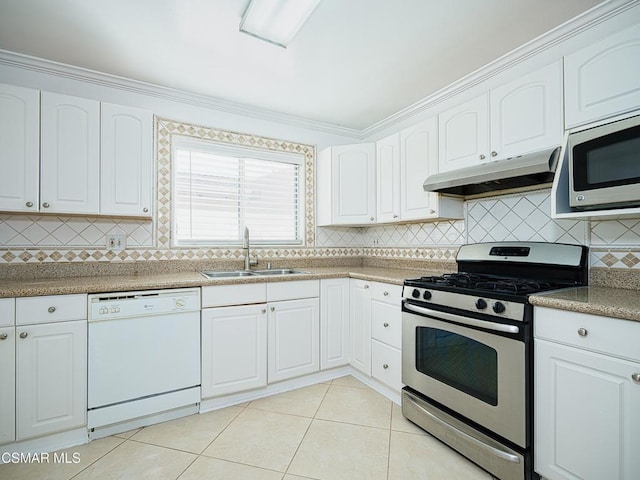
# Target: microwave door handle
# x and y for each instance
(473, 322)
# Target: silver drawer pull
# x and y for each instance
(23, 334)
(385, 324)
(366, 286)
(273, 309)
(145, 210)
(386, 294)
(583, 332)
(29, 204)
(51, 309)
(635, 377)
(3, 336)
(385, 366)
(45, 205)
(264, 310)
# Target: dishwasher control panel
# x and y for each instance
(108, 306)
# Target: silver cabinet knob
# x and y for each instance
(3, 336)
(51, 309)
(45, 205)
(29, 204)
(386, 294)
(371, 218)
(432, 211)
(635, 377)
(145, 210)
(366, 286)
(273, 309)
(482, 157)
(395, 215)
(23, 334)
(583, 332)
(385, 324)
(385, 366)
(264, 310)
(494, 154)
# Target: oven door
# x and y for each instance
(474, 367)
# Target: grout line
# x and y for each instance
(100, 457)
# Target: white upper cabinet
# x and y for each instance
(526, 114)
(70, 154)
(347, 185)
(520, 117)
(603, 79)
(464, 134)
(418, 160)
(388, 178)
(19, 148)
(126, 160)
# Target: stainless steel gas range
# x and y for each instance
(467, 349)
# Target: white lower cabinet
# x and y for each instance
(234, 349)
(360, 317)
(376, 331)
(51, 378)
(587, 398)
(7, 392)
(293, 339)
(334, 322)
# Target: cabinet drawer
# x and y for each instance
(385, 292)
(292, 290)
(239, 294)
(386, 323)
(611, 336)
(7, 311)
(55, 308)
(386, 364)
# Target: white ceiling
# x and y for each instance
(354, 63)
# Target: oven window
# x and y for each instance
(458, 361)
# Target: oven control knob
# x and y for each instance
(498, 307)
(426, 295)
(481, 304)
(415, 293)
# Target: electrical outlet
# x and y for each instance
(116, 243)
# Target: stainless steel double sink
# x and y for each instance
(252, 273)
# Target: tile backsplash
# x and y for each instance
(511, 217)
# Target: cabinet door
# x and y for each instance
(334, 322)
(388, 178)
(603, 79)
(126, 160)
(463, 133)
(7, 390)
(51, 378)
(19, 148)
(587, 422)
(294, 338)
(70, 154)
(360, 318)
(526, 114)
(353, 181)
(234, 349)
(418, 160)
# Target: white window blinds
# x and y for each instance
(219, 189)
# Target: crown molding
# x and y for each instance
(590, 18)
(594, 16)
(71, 72)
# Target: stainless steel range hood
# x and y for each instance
(531, 169)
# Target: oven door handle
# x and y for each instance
(473, 322)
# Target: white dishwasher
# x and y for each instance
(144, 358)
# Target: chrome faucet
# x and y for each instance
(247, 250)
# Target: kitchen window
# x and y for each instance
(219, 189)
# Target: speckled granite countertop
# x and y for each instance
(610, 302)
(121, 283)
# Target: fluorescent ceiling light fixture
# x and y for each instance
(276, 21)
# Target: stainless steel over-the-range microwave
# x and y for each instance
(604, 165)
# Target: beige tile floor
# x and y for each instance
(330, 431)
